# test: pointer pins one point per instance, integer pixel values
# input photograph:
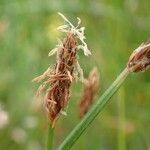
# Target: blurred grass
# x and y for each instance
(113, 29)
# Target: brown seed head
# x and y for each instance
(90, 90)
(140, 58)
(58, 79)
(57, 95)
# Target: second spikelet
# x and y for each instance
(91, 85)
(140, 58)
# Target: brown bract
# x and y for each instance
(59, 78)
(140, 58)
(91, 85)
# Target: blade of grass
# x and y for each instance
(95, 110)
(50, 135)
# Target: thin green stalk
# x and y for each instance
(50, 135)
(93, 112)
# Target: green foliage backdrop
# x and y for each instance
(113, 29)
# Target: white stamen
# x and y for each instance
(63, 113)
(79, 32)
(52, 52)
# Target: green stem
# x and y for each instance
(93, 112)
(49, 144)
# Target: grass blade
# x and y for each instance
(95, 110)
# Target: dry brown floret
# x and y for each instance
(58, 79)
(91, 85)
(140, 58)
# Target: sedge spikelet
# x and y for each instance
(91, 85)
(140, 58)
(59, 78)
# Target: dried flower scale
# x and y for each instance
(65, 70)
(140, 58)
(91, 85)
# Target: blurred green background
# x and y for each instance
(113, 29)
